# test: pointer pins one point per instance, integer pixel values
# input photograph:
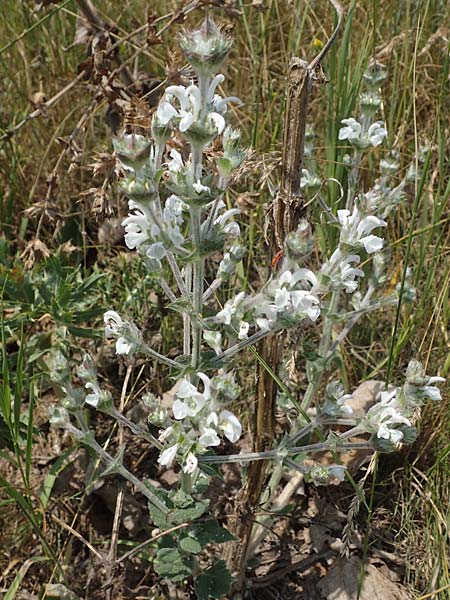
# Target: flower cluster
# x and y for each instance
(363, 134)
(286, 300)
(199, 418)
(360, 137)
(199, 119)
(340, 272)
(390, 419)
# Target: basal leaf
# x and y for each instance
(215, 582)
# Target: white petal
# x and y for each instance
(166, 112)
(122, 346)
(368, 224)
(191, 464)
(176, 164)
(199, 187)
(165, 433)
(282, 298)
(186, 121)
(432, 392)
(383, 432)
(180, 410)
(180, 92)
(218, 121)
(218, 79)
(207, 386)
(186, 389)
(372, 243)
(212, 419)
(229, 424)
(243, 330)
(112, 320)
(343, 216)
(167, 457)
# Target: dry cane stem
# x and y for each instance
(287, 209)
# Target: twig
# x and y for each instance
(151, 540)
(80, 537)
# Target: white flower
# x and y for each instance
(114, 325)
(167, 457)
(199, 187)
(354, 229)
(191, 407)
(368, 224)
(348, 273)
(94, 398)
(243, 330)
(291, 279)
(122, 346)
(232, 228)
(173, 209)
(372, 243)
(194, 400)
(206, 386)
(230, 426)
(165, 434)
(305, 302)
(113, 322)
(176, 164)
(190, 106)
(384, 417)
(231, 306)
(431, 391)
(282, 298)
(351, 131)
(191, 464)
(136, 226)
(309, 180)
(377, 133)
(214, 340)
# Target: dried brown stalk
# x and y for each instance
(287, 208)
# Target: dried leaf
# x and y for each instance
(341, 583)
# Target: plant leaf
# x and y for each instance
(215, 582)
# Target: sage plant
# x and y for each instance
(177, 218)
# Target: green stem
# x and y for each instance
(197, 289)
(89, 440)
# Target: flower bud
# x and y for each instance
(205, 48)
(139, 187)
(370, 103)
(375, 75)
(58, 416)
(132, 150)
(300, 243)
